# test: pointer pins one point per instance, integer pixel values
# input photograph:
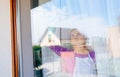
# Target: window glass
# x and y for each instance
(76, 38)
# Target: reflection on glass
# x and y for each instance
(71, 39)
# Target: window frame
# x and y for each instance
(22, 56)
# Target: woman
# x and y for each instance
(83, 57)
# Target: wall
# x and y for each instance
(5, 40)
(114, 41)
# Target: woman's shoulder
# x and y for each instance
(92, 51)
(92, 54)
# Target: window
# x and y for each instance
(75, 38)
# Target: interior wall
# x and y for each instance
(5, 40)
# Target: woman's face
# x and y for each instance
(77, 38)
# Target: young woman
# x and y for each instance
(84, 58)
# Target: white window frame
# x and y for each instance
(24, 39)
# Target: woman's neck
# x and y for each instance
(81, 50)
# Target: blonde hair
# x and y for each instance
(74, 29)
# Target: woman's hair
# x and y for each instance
(74, 29)
(89, 48)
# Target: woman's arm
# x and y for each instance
(57, 49)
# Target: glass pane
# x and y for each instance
(76, 38)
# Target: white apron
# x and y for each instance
(84, 67)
